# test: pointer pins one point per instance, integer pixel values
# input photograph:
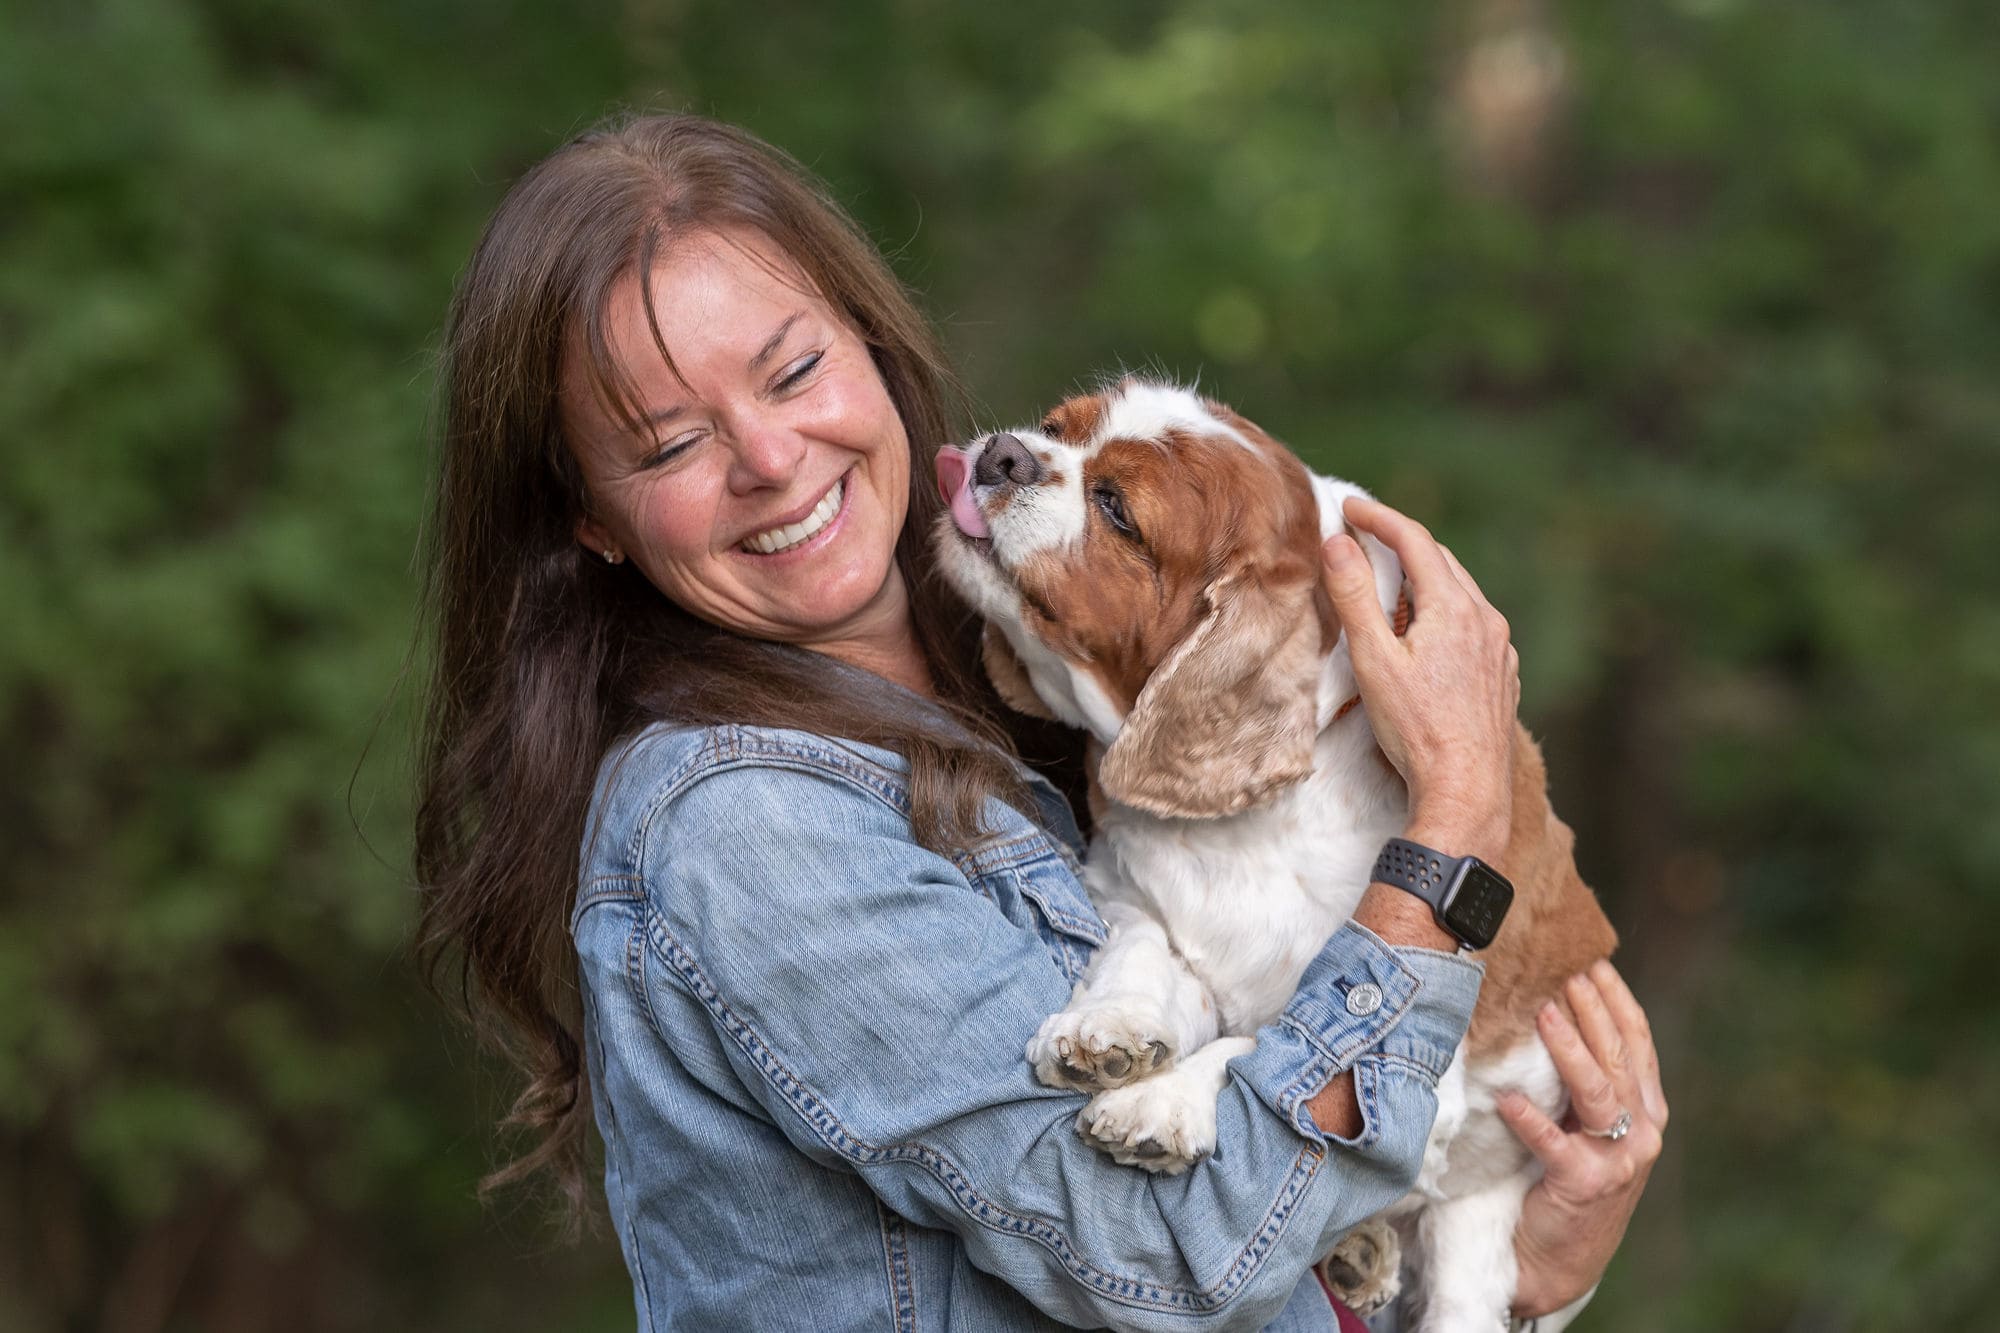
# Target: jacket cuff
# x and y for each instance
(1360, 996)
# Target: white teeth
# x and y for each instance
(791, 534)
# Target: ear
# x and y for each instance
(1009, 677)
(592, 536)
(1229, 718)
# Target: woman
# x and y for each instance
(686, 622)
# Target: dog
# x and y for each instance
(1147, 563)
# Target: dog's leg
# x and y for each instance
(1364, 1269)
(1467, 1258)
(1136, 1009)
(1166, 1123)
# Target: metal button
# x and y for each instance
(1364, 999)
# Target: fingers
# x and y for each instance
(1591, 1094)
(1600, 1033)
(1542, 1136)
(1638, 1035)
(1465, 582)
(1350, 585)
(1472, 591)
(1438, 582)
(1425, 563)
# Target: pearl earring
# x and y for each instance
(611, 557)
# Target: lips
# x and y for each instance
(954, 477)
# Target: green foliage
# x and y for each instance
(1678, 321)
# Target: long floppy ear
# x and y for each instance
(1229, 718)
(1009, 677)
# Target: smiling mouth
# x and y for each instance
(786, 536)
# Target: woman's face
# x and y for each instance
(769, 497)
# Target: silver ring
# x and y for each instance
(1619, 1127)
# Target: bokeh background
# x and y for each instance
(1677, 318)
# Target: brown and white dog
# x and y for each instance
(1147, 562)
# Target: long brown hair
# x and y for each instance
(544, 656)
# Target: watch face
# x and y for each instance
(1477, 905)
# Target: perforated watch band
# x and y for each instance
(1413, 866)
(1468, 897)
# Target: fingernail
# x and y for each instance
(1549, 1012)
(1338, 549)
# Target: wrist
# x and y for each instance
(1460, 828)
(1437, 871)
(1401, 919)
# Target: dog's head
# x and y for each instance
(1148, 563)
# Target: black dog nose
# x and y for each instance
(1006, 459)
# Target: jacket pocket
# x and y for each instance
(1036, 887)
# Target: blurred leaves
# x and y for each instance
(1679, 322)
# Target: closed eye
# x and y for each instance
(671, 450)
(796, 374)
(1112, 505)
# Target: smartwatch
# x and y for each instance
(1468, 897)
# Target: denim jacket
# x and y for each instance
(805, 1040)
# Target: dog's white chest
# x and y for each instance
(1248, 901)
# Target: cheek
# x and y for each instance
(855, 411)
(1060, 602)
(889, 465)
(1101, 606)
(1044, 522)
(673, 518)
(893, 468)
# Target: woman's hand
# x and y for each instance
(1441, 699)
(1572, 1221)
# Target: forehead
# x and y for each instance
(706, 288)
(710, 299)
(1139, 411)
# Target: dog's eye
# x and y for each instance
(1112, 505)
(1052, 428)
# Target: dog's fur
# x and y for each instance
(1238, 807)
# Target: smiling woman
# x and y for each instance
(733, 840)
(772, 478)
(571, 438)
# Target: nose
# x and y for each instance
(765, 455)
(1006, 460)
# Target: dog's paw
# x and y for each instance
(1094, 1048)
(1363, 1269)
(1164, 1124)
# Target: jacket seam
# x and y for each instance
(726, 748)
(605, 889)
(1359, 1038)
(614, 1137)
(1418, 1067)
(1000, 853)
(896, 1253)
(1069, 923)
(831, 1131)
(635, 972)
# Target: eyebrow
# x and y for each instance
(774, 342)
(764, 354)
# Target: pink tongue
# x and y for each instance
(954, 475)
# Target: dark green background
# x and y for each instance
(1677, 319)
